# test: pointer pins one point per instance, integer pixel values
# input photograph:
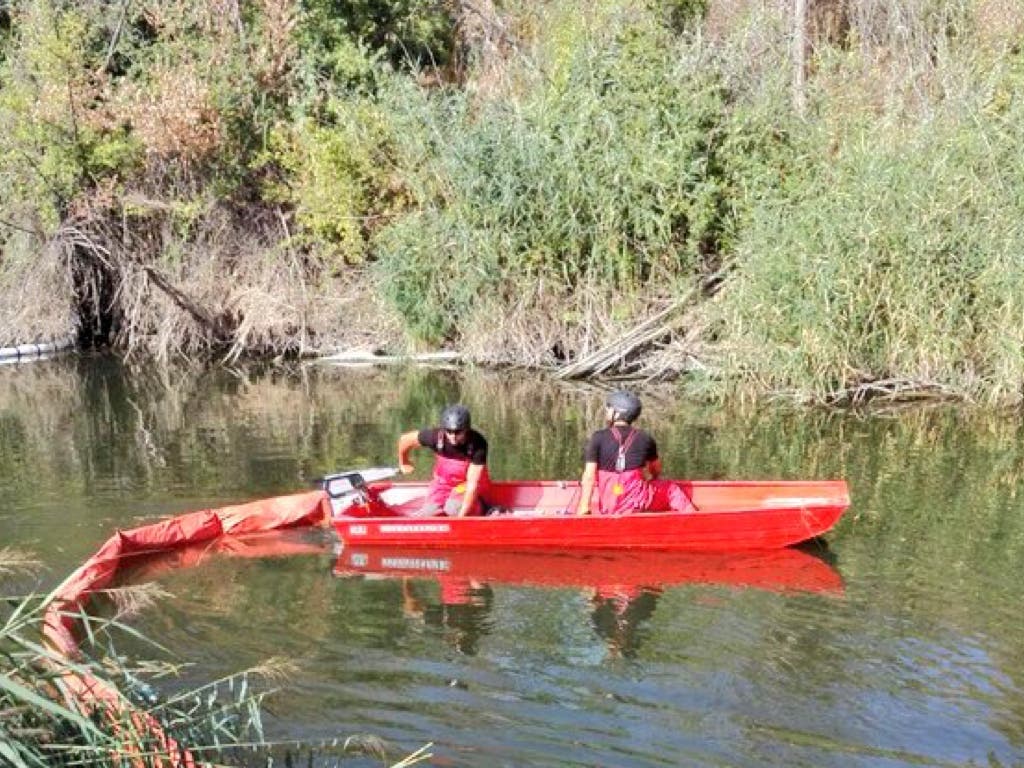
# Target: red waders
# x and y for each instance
(448, 487)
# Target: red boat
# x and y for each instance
(779, 570)
(730, 515)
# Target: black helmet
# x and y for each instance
(625, 406)
(455, 418)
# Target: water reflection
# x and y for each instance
(783, 570)
(138, 568)
(618, 615)
(919, 662)
(622, 587)
(461, 611)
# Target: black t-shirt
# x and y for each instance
(603, 448)
(473, 449)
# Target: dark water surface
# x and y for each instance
(902, 645)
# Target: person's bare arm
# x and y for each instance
(472, 481)
(406, 443)
(587, 487)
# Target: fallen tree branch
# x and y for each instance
(892, 390)
(79, 238)
(200, 315)
(650, 330)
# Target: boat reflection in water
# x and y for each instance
(623, 586)
(617, 613)
(462, 612)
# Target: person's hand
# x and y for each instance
(583, 510)
(406, 468)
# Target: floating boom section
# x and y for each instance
(221, 529)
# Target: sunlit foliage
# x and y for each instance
(207, 178)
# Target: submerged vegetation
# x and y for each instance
(834, 220)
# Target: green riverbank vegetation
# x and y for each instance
(818, 199)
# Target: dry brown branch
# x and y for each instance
(895, 390)
(116, 36)
(485, 42)
(530, 330)
(618, 352)
(684, 352)
(89, 238)
(277, 51)
(185, 303)
(225, 283)
(37, 285)
(12, 225)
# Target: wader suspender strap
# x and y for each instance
(620, 459)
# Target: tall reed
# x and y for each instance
(891, 256)
(43, 724)
(595, 169)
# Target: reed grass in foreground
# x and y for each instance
(41, 725)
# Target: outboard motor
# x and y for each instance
(348, 489)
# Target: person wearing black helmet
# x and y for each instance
(460, 463)
(623, 463)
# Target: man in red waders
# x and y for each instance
(623, 462)
(460, 463)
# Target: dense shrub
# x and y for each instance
(597, 168)
(466, 162)
(406, 33)
(892, 253)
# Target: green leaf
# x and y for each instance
(8, 752)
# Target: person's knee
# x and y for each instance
(429, 509)
(453, 507)
(667, 495)
(679, 500)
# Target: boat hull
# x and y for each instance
(731, 515)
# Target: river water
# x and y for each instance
(900, 644)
